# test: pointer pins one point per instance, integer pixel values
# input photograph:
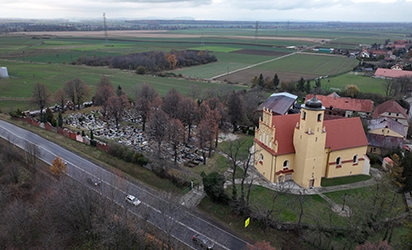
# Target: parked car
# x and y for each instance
(132, 200)
(202, 241)
(94, 182)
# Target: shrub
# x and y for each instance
(16, 114)
(115, 149)
(127, 154)
(140, 70)
(142, 161)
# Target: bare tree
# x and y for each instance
(236, 109)
(209, 128)
(187, 113)
(146, 98)
(158, 127)
(77, 91)
(40, 97)
(167, 215)
(104, 91)
(20, 227)
(61, 98)
(116, 107)
(32, 152)
(239, 155)
(170, 103)
(176, 135)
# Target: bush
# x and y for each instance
(93, 143)
(175, 177)
(115, 150)
(127, 154)
(140, 70)
(16, 114)
(142, 161)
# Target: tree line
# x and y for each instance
(152, 61)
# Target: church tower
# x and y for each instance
(309, 141)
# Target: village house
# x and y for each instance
(305, 148)
(384, 135)
(391, 73)
(279, 103)
(344, 106)
(391, 109)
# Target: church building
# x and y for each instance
(305, 148)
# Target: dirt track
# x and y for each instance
(154, 34)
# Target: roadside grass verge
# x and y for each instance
(327, 182)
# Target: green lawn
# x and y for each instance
(23, 76)
(311, 64)
(327, 182)
(364, 83)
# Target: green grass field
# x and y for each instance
(311, 64)
(364, 83)
(23, 76)
(48, 60)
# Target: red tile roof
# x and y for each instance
(389, 106)
(344, 103)
(341, 133)
(389, 73)
(345, 133)
(285, 127)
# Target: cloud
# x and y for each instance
(261, 10)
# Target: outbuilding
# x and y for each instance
(3, 72)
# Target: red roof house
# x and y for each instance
(390, 73)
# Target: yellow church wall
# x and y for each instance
(279, 161)
(265, 166)
(310, 147)
(347, 166)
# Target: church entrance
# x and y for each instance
(311, 183)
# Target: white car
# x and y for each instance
(132, 200)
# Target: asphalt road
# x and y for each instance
(155, 208)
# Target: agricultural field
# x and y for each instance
(364, 83)
(242, 54)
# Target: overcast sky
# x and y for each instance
(251, 10)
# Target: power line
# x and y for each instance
(106, 39)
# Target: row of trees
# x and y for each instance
(172, 118)
(76, 90)
(152, 61)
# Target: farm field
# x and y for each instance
(48, 61)
(364, 83)
(23, 76)
(292, 68)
